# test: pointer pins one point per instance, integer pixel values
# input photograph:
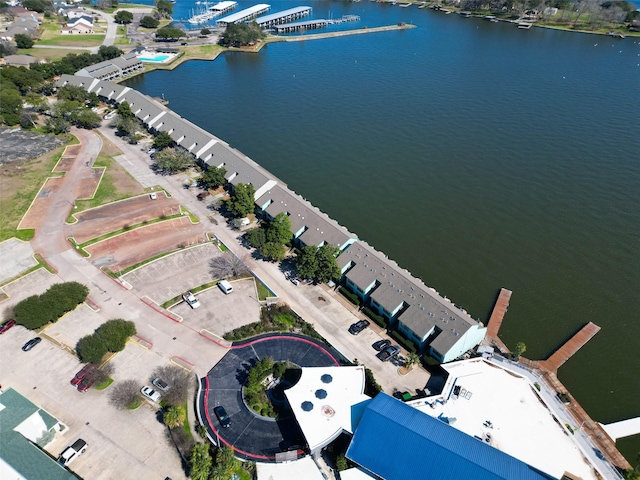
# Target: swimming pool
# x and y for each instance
(155, 58)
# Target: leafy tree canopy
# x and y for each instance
(173, 160)
(149, 22)
(164, 8)
(124, 110)
(273, 251)
(205, 31)
(39, 6)
(23, 40)
(91, 349)
(241, 34)
(85, 118)
(10, 105)
(212, 178)
(36, 311)
(279, 229)
(200, 462)
(170, 33)
(320, 264)
(123, 16)
(241, 201)
(256, 237)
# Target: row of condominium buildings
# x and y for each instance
(434, 323)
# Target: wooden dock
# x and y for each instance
(497, 315)
(570, 347)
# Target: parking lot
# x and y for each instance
(174, 274)
(121, 443)
(76, 324)
(219, 313)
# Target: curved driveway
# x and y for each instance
(252, 437)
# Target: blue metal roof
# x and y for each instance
(416, 445)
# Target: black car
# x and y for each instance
(223, 418)
(388, 353)
(381, 345)
(31, 343)
(357, 327)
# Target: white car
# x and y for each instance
(191, 299)
(150, 393)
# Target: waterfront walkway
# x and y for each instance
(497, 315)
(570, 347)
(623, 428)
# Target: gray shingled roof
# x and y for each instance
(426, 308)
(318, 226)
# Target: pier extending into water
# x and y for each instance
(623, 428)
(569, 348)
(343, 33)
(313, 24)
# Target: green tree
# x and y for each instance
(273, 251)
(256, 237)
(37, 102)
(205, 31)
(279, 229)
(225, 464)
(39, 6)
(212, 178)
(124, 110)
(173, 160)
(36, 311)
(123, 16)
(411, 360)
(170, 33)
(56, 125)
(328, 268)
(519, 350)
(164, 8)
(200, 462)
(241, 34)
(10, 105)
(108, 52)
(241, 201)
(86, 118)
(126, 126)
(341, 462)
(162, 140)
(91, 349)
(149, 22)
(65, 108)
(72, 93)
(307, 262)
(115, 333)
(23, 41)
(172, 417)
(28, 120)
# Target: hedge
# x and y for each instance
(379, 319)
(352, 297)
(111, 337)
(36, 311)
(404, 341)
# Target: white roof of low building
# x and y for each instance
(303, 469)
(325, 401)
(354, 474)
(504, 409)
(244, 14)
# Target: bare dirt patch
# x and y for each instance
(133, 247)
(116, 216)
(72, 150)
(64, 165)
(88, 186)
(36, 214)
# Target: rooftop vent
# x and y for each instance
(326, 378)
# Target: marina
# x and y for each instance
(313, 24)
(212, 12)
(244, 15)
(285, 16)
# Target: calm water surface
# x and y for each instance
(474, 154)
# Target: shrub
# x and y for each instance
(371, 386)
(377, 318)
(341, 462)
(36, 311)
(114, 334)
(256, 237)
(352, 297)
(91, 349)
(404, 341)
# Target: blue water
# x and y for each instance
(474, 154)
(156, 59)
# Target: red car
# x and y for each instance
(75, 381)
(7, 325)
(86, 383)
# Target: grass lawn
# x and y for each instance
(122, 41)
(19, 184)
(48, 54)
(105, 384)
(73, 40)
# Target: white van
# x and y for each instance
(225, 287)
(72, 452)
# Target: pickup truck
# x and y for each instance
(72, 452)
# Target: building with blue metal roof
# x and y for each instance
(395, 441)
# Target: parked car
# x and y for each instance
(295, 281)
(359, 326)
(150, 393)
(381, 345)
(72, 452)
(7, 325)
(191, 299)
(388, 353)
(86, 383)
(160, 384)
(75, 381)
(153, 195)
(31, 343)
(223, 418)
